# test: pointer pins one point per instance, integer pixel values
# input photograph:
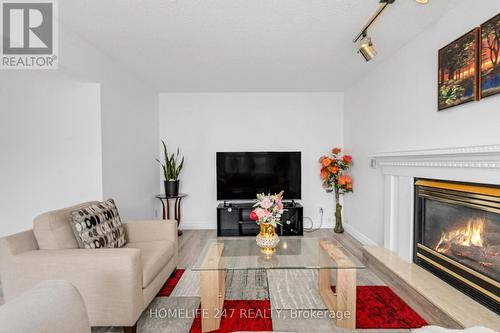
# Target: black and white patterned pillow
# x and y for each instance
(98, 226)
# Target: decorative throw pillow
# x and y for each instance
(98, 226)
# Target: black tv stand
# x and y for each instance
(233, 219)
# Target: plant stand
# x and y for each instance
(165, 202)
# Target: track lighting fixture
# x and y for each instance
(366, 48)
(365, 45)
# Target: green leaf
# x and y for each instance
(165, 152)
(179, 168)
(171, 167)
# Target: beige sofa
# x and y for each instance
(50, 307)
(116, 284)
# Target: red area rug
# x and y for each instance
(169, 286)
(242, 315)
(380, 307)
(376, 307)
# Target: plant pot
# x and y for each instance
(267, 239)
(171, 188)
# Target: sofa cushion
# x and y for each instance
(98, 226)
(155, 255)
(53, 229)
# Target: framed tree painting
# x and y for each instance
(458, 80)
(490, 57)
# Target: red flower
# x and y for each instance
(333, 169)
(347, 159)
(344, 180)
(253, 216)
(326, 162)
(336, 150)
(324, 173)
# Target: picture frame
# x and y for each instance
(489, 75)
(458, 68)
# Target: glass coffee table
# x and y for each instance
(225, 254)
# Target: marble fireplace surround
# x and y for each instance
(477, 164)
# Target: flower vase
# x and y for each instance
(267, 239)
(338, 219)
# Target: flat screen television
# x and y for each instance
(241, 175)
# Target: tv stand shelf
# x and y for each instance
(233, 219)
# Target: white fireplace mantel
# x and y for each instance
(477, 164)
(457, 157)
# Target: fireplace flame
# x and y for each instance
(468, 235)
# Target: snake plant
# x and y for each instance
(171, 167)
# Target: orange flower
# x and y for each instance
(336, 150)
(326, 162)
(348, 186)
(344, 180)
(347, 159)
(324, 173)
(333, 169)
(322, 158)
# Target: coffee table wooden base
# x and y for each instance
(344, 299)
(212, 289)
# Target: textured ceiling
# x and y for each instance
(245, 45)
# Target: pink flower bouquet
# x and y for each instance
(269, 209)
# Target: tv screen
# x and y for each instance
(241, 175)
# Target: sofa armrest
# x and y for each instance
(151, 230)
(51, 306)
(106, 278)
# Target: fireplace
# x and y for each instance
(457, 236)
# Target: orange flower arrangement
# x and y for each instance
(332, 173)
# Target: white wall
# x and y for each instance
(50, 145)
(130, 140)
(85, 132)
(202, 124)
(394, 108)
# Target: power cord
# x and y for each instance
(311, 229)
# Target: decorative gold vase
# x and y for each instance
(267, 239)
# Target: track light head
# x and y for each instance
(366, 48)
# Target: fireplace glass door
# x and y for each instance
(467, 235)
(457, 236)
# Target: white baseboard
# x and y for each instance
(198, 225)
(359, 236)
